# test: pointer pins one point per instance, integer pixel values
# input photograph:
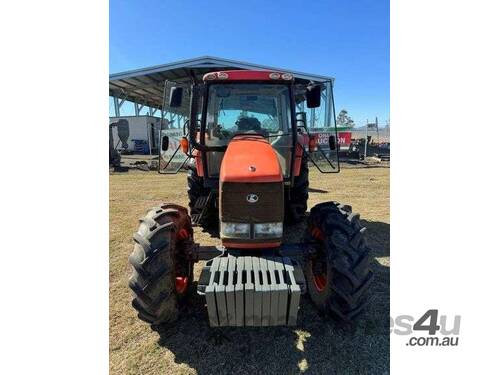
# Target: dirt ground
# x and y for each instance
(315, 346)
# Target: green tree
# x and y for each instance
(343, 120)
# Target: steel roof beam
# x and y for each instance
(207, 61)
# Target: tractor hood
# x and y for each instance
(250, 158)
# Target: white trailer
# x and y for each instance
(142, 128)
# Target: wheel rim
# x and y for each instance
(181, 263)
(181, 284)
(319, 275)
(320, 282)
(318, 264)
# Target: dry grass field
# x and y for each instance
(315, 346)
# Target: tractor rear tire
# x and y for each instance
(162, 273)
(296, 204)
(196, 190)
(338, 276)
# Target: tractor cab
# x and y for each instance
(249, 109)
(266, 104)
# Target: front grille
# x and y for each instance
(234, 206)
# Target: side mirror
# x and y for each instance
(164, 143)
(301, 119)
(331, 142)
(313, 96)
(175, 97)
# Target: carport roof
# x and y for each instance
(145, 86)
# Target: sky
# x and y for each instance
(348, 40)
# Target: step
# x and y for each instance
(201, 202)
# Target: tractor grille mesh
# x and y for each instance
(235, 208)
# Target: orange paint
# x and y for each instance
(181, 284)
(317, 233)
(183, 234)
(313, 143)
(299, 151)
(198, 164)
(184, 145)
(250, 158)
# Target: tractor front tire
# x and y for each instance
(162, 273)
(338, 275)
(296, 204)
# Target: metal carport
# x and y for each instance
(144, 87)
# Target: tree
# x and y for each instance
(343, 120)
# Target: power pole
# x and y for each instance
(366, 137)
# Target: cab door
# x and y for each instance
(174, 126)
(319, 123)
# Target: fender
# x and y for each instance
(198, 162)
(302, 141)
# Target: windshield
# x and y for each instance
(249, 109)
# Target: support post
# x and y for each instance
(116, 104)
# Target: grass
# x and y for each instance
(315, 346)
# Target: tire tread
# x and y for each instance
(348, 258)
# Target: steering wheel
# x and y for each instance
(220, 132)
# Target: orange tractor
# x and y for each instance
(246, 145)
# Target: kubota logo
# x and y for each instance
(252, 198)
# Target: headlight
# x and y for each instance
(268, 230)
(235, 230)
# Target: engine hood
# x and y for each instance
(250, 158)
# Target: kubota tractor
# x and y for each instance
(246, 146)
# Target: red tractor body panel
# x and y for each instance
(248, 75)
(302, 141)
(251, 245)
(250, 166)
(250, 158)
